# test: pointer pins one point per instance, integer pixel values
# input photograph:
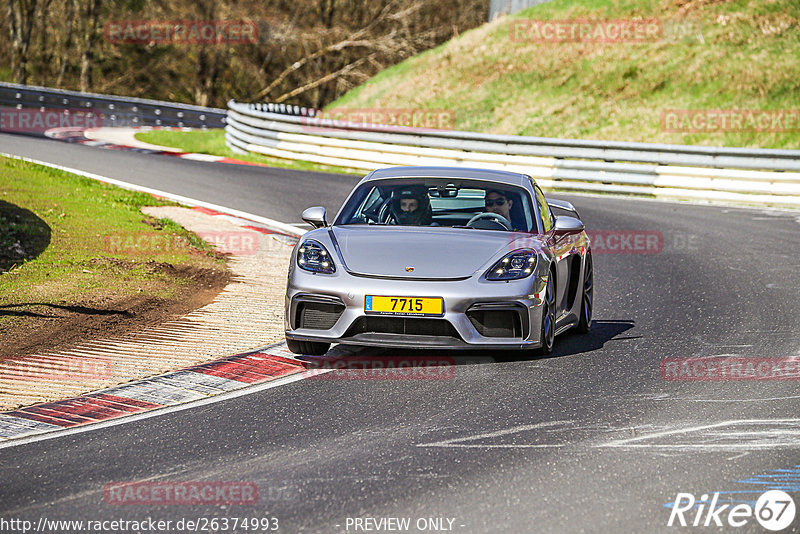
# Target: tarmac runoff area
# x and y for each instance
(247, 314)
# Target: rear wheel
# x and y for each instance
(587, 300)
(309, 348)
(548, 333)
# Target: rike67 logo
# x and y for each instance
(774, 510)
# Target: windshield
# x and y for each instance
(440, 202)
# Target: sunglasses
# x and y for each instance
(495, 202)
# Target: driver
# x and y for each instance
(498, 203)
(411, 205)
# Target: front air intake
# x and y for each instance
(317, 315)
(402, 325)
(496, 323)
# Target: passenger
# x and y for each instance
(411, 205)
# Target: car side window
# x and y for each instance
(544, 211)
(369, 208)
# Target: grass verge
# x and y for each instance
(72, 247)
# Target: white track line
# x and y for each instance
(271, 224)
(629, 442)
(459, 442)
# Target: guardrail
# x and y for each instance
(740, 175)
(112, 110)
(507, 7)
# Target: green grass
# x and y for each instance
(213, 142)
(735, 54)
(77, 238)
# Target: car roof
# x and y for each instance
(502, 177)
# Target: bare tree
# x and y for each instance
(20, 17)
(309, 51)
(208, 59)
(88, 42)
(63, 59)
(358, 39)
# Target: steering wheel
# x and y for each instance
(488, 216)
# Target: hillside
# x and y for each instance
(709, 55)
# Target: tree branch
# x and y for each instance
(320, 81)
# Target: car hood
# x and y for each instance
(432, 252)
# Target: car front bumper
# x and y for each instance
(347, 292)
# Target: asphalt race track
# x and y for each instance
(590, 439)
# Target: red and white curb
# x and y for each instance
(124, 140)
(289, 237)
(189, 386)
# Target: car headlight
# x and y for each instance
(514, 266)
(314, 257)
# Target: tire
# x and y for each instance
(587, 298)
(548, 329)
(308, 348)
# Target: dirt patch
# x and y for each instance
(686, 6)
(48, 327)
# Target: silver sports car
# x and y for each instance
(440, 257)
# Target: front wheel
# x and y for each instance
(587, 300)
(548, 333)
(308, 348)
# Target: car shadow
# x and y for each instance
(571, 342)
(23, 235)
(368, 359)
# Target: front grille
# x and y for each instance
(496, 323)
(317, 315)
(402, 325)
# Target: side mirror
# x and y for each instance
(568, 225)
(562, 205)
(315, 217)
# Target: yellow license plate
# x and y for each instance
(404, 305)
